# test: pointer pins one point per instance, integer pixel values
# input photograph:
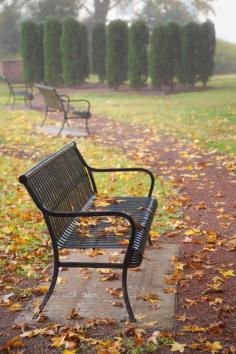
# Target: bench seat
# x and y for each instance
(140, 208)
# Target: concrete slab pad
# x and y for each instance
(67, 131)
(83, 290)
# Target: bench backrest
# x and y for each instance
(60, 183)
(51, 97)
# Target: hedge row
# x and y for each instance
(56, 53)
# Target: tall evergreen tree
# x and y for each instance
(189, 53)
(138, 60)
(206, 51)
(52, 51)
(29, 45)
(85, 54)
(117, 53)
(173, 51)
(98, 52)
(39, 68)
(70, 50)
(158, 51)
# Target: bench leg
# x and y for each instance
(87, 126)
(150, 241)
(50, 290)
(62, 127)
(126, 297)
(44, 119)
(13, 101)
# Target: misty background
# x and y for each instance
(221, 12)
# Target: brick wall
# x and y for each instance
(12, 69)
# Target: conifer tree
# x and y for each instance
(70, 50)
(138, 60)
(39, 69)
(173, 51)
(158, 64)
(29, 45)
(189, 53)
(206, 51)
(99, 50)
(117, 53)
(84, 51)
(52, 51)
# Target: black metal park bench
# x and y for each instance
(18, 92)
(55, 102)
(63, 188)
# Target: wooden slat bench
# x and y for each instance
(55, 102)
(63, 188)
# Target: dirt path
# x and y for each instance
(207, 185)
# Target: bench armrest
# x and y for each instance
(129, 169)
(66, 99)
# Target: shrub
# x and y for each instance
(137, 59)
(117, 53)
(70, 50)
(39, 68)
(29, 45)
(158, 64)
(52, 51)
(206, 51)
(98, 52)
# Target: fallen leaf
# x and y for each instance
(193, 328)
(177, 347)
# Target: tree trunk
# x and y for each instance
(101, 9)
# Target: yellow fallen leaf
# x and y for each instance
(193, 232)
(101, 203)
(177, 347)
(227, 273)
(149, 297)
(193, 328)
(40, 290)
(57, 342)
(213, 347)
(123, 242)
(212, 236)
(15, 307)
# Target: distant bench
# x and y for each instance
(63, 188)
(55, 102)
(18, 92)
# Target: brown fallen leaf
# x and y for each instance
(74, 315)
(117, 304)
(110, 277)
(96, 252)
(116, 292)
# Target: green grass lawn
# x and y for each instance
(23, 233)
(205, 117)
